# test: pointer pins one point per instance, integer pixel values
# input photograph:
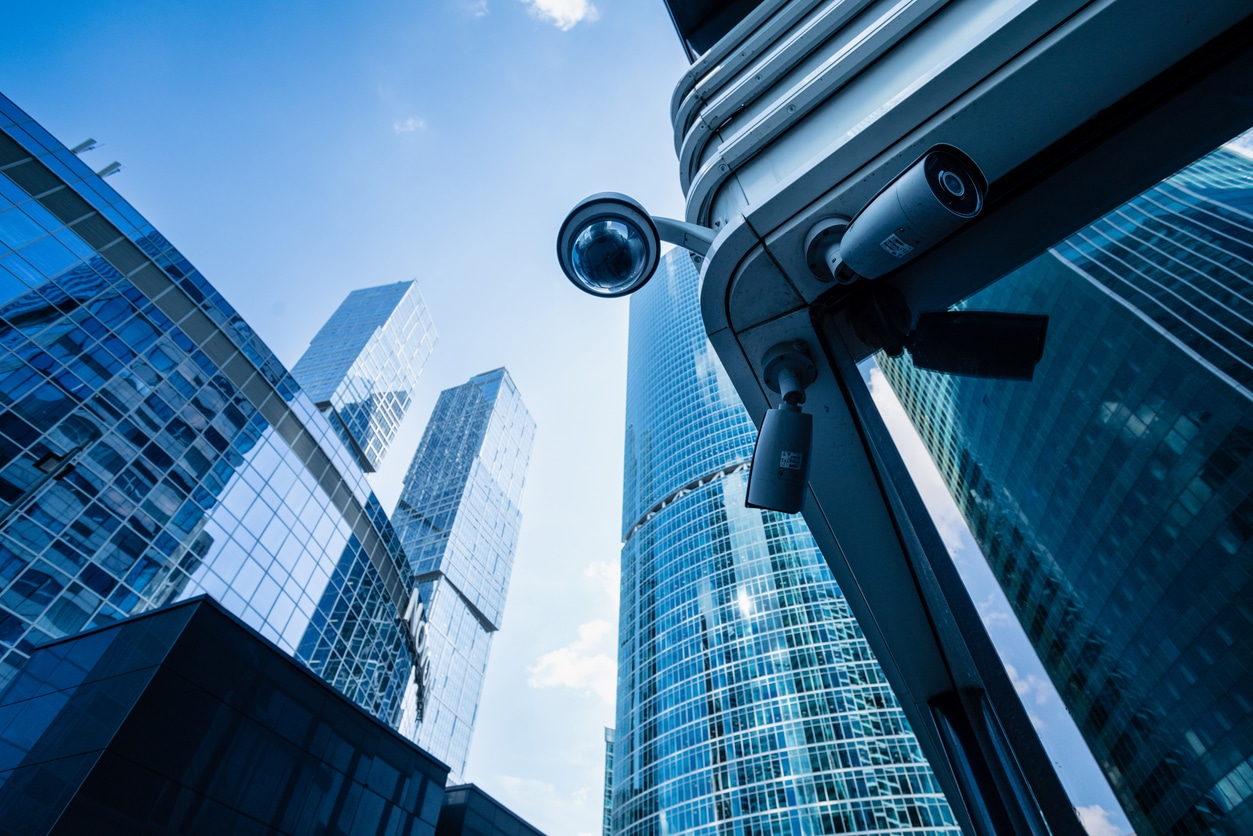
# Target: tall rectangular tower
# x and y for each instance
(1113, 495)
(748, 699)
(458, 521)
(607, 816)
(361, 369)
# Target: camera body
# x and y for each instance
(608, 245)
(780, 471)
(928, 202)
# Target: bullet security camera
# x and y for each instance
(609, 246)
(780, 469)
(924, 205)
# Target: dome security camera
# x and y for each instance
(609, 246)
(932, 199)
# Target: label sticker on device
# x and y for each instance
(790, 460)
(895, 247)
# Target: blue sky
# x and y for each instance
(295, 151)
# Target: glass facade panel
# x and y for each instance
(458, 519)
(153, 448)
(748, 699)
(470, 811)
(607, 823)
(1113, 496)
(362, 368)
(183, 721)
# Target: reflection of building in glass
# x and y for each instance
(153, 448)
(458, 519)
(1113, 497)
(748, 700)
(362, 368)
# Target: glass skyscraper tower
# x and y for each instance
(362, 368)
(153, 448)
(748, 700)
(458, 519)
(607, 817)
(1113, 496)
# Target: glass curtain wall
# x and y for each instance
(1113, 495)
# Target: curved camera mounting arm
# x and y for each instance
(609, 245)
(692, 237)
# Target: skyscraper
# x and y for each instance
(152, 447)
(607, 820)
(362, 367)
(458, 519)
(1113, 496)
(748, 700)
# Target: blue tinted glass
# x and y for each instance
(467, 473)
(1112, 497)
(364, 365)
(610, 255)
(49, 256)
(11, 191)
(10, 284)
(18, 230)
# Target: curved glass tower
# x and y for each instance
(153, 448)
(748, 700)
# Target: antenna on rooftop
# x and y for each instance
(85, 145)
(112, 168)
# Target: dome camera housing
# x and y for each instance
(608, 245)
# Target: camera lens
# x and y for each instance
(608, 245)
(952, 183)
(609, 255)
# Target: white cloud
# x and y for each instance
(538, 801)
(528, 788)
(579, 665)
(1095, 820)
(993, 614)
(477, 8)
(408, 126)
(1029, 685)
(563, 14)
(609, 574)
